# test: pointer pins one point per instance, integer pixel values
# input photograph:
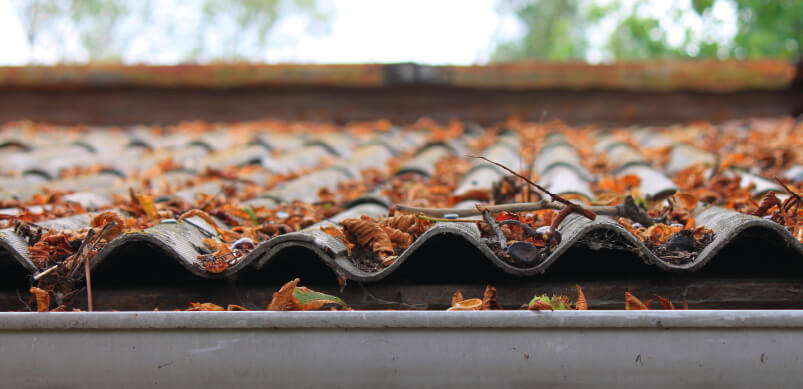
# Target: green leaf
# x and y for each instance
(557, 303)
(251, 214)
(305, 296)
(543, 298)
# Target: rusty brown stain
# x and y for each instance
(713, 76)
(203, 76)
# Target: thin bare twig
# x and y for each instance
(494, 227)
(73, 261)
(569, 209)
(529, 230)
(628, 209)
(797, 198)
(443, 219)
(82, 257)
(88, 285)
(37, 276)
(551, 195)
(465, 212)
(25, 303)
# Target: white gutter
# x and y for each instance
(403, 349)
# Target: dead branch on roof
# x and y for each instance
(495, 227)
(628, 209)
(576, 208)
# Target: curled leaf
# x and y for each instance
(686, 200)
(104, 218)
(410, 224)
(665, 302)
(581, 303)
(234, 307)
(398, 238)
(457, 297)
(208, 219)
(335, 232)
(368, 233)
(204, 307)
(489, 299)
(701, 231)
(283, 299)
(42, 299)
(467, 305)
(634, 304)
(220, 257)
(630, 180)
(146, 202)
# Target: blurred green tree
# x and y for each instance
(769, 28)
(564, 29)
(105, 28)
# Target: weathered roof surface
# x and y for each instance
(620, 93)
(33, 160)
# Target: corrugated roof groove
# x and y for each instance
(558, 164)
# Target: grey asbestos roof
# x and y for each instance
(30, 162)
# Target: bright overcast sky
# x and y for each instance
(423, 31)
(360, 31)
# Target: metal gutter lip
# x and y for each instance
(13, 321)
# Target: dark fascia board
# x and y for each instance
(665, 75)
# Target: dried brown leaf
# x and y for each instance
(489, 299)
(457, 297)
(104, 218)
(335, 232)
(686, 200)
(368, 233)
(467, 305)
(634, 304)
(205, 217)
(581, 303)
(283, 299)
(204, 307)
(220, 260)
(398, 238)
(42, 299)
(665, 302)
(146, 202)
(410, 224)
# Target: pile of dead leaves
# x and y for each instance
(558, 303)
(384, 238)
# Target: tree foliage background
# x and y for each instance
(562, 30)
(556, 30)
(217, 30)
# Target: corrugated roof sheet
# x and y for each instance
(299, 162)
